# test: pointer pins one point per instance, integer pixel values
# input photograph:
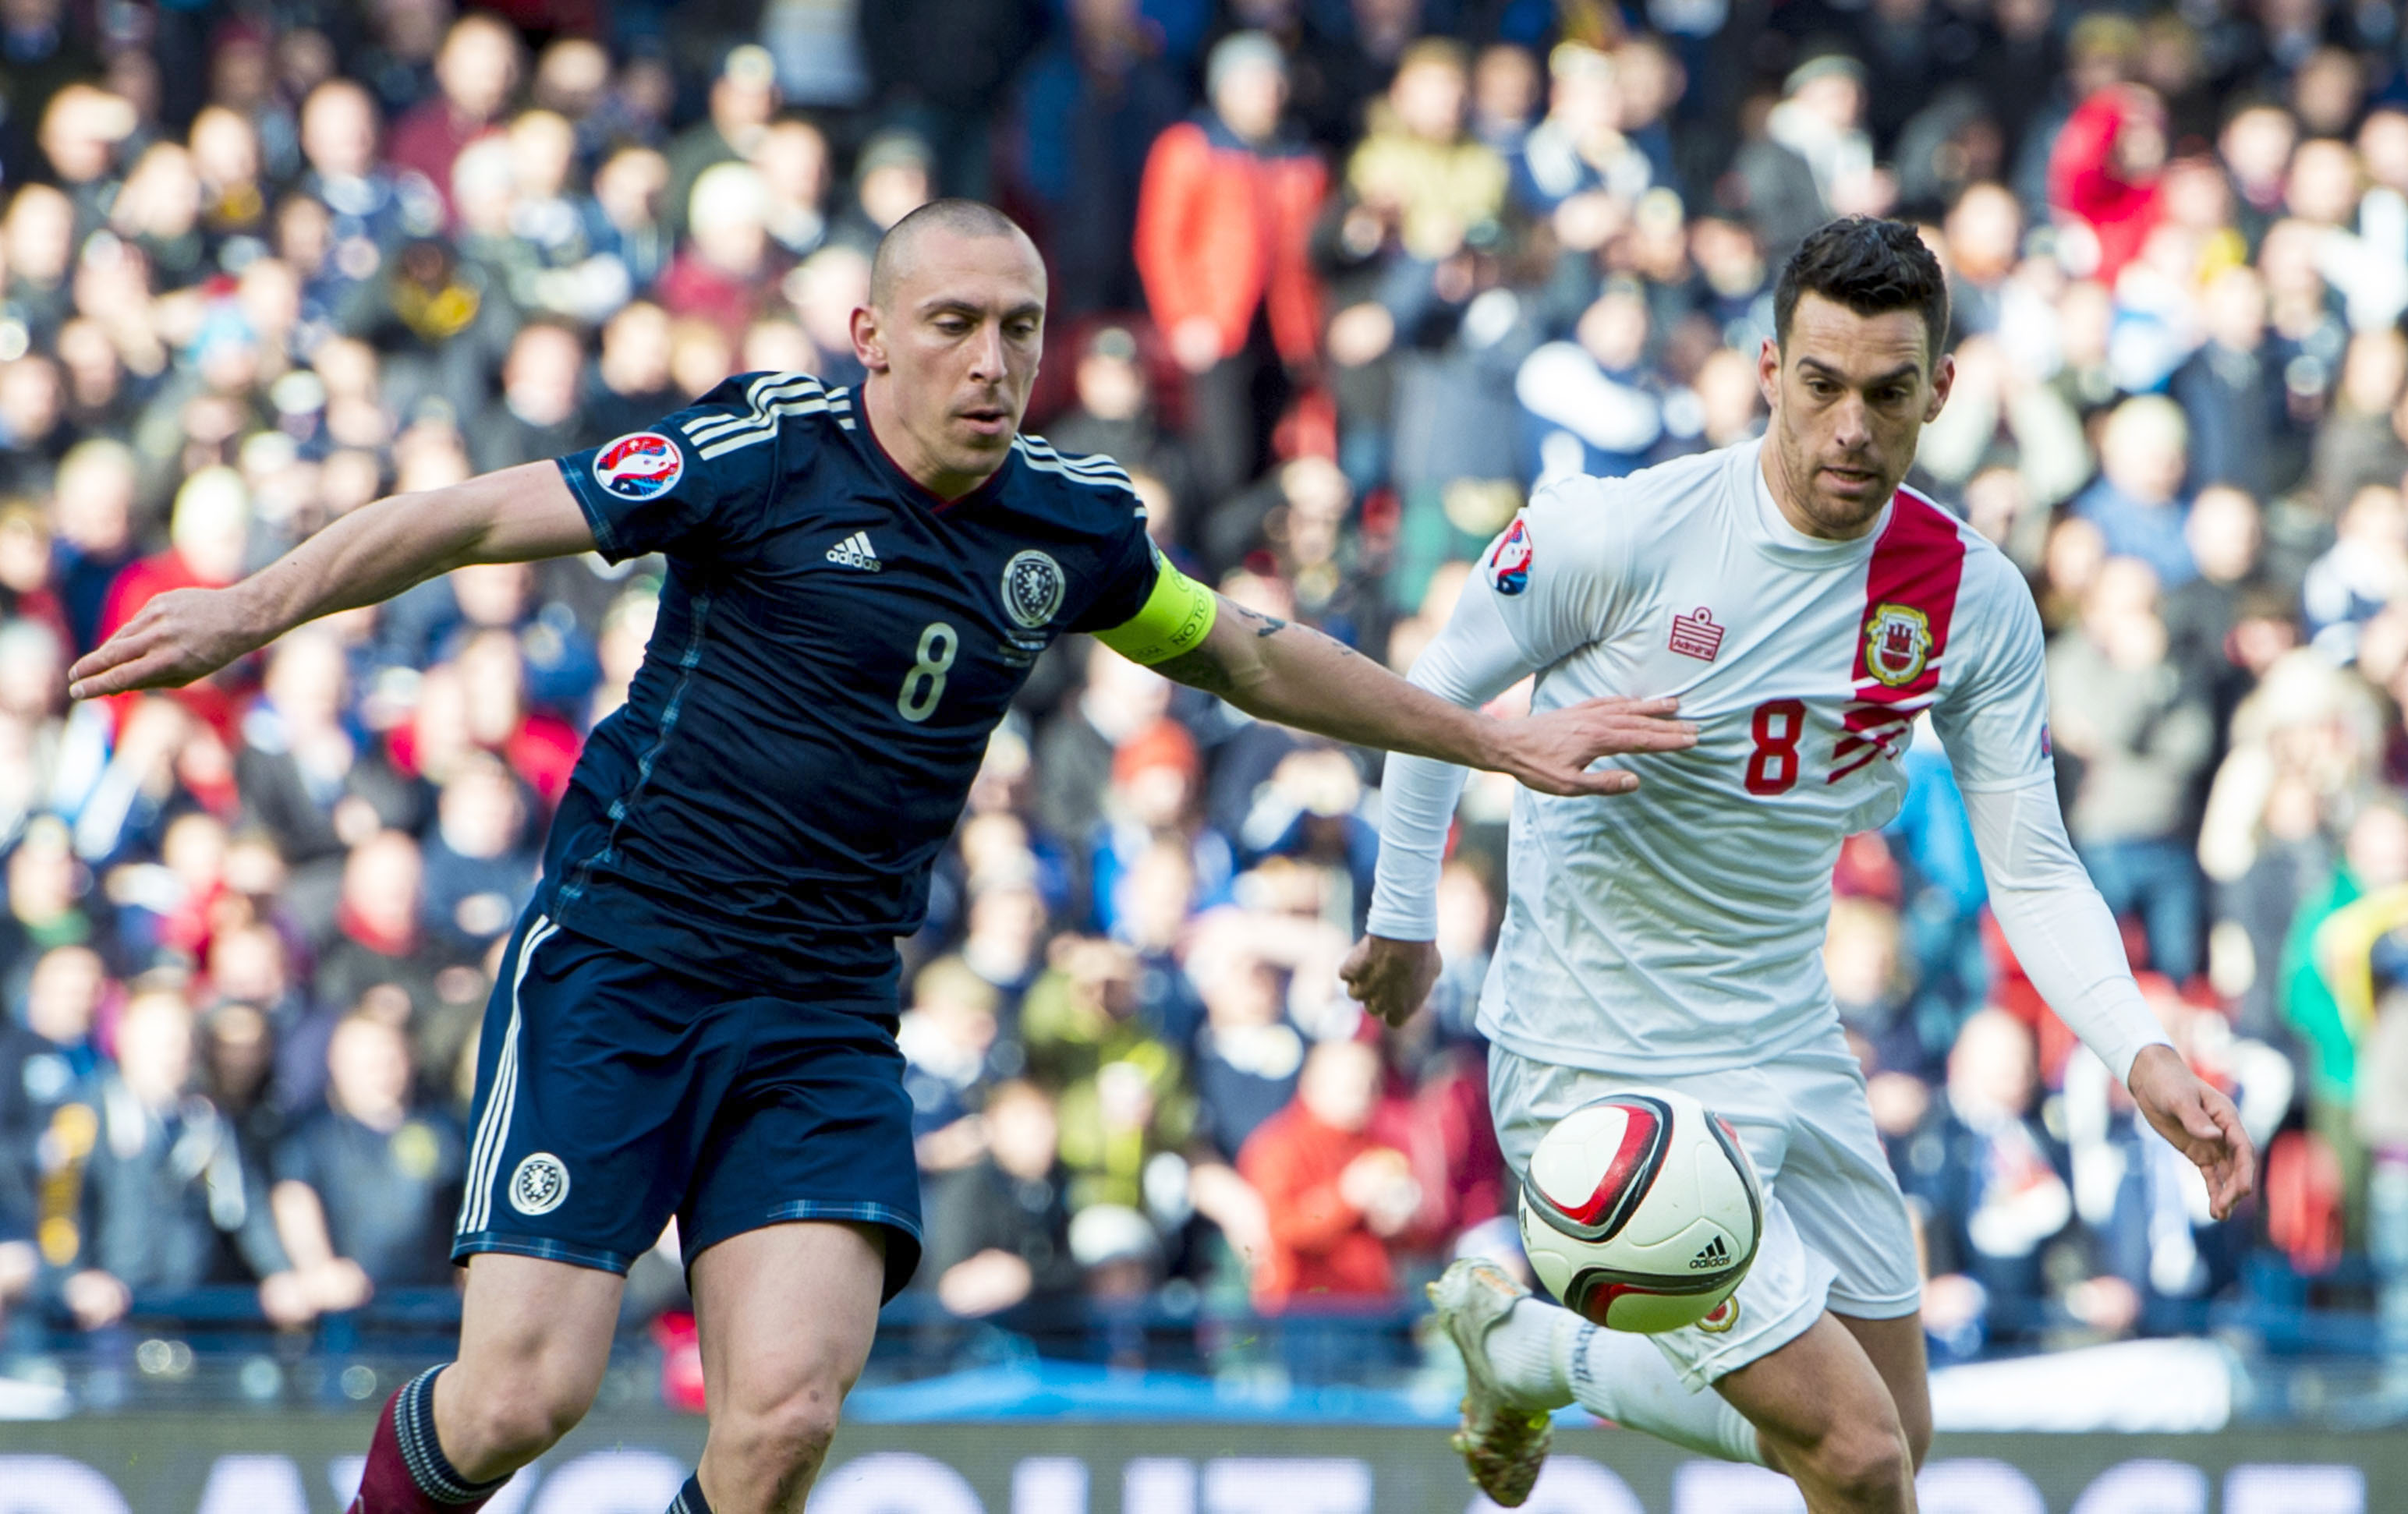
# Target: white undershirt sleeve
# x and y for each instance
(1472, 661)
(2060, 929)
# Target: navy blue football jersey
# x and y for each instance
(835, 645)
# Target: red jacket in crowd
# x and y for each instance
(1321, 1245)
(2091, 173)
(136, 585)
(1223, 227)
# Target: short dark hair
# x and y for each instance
(964, 218)
(1870, 265)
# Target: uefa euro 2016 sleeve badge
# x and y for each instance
(639, 466)
(1898, 643)
(1509, 565)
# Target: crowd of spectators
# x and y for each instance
(1340, 281)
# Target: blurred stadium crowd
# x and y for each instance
(1339, 283)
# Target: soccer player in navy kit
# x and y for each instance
(695, 1017)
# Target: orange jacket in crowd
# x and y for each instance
(1221, 227)
(1321, 1245)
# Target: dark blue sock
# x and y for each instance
(689, 1499)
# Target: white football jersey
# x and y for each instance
(1679, 928)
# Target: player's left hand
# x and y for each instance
(1390, 978)
(2200, 1121)
(1552, 752)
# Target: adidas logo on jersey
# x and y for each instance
(856, 551)
(1716, 1254)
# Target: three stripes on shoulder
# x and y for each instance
(771, 399)
(1039, 455)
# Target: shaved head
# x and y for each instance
(898, 249)
(951, 339)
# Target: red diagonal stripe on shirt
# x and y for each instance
(1874, 725)
(1918, 562)
(1863, 718)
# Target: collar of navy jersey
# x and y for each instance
(884, 461)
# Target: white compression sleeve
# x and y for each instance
(1471, 661)
(2059, 929)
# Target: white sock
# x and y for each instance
(1527, 1349)
(1625, 1377)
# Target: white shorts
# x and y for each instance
(1836, 1232)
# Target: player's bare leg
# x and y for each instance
(1826, 1417)
(785, 1316)
(1894, 1347)
(534, 1338)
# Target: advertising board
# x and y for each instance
(633, 1463)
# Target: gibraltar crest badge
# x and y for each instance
(1898, 643)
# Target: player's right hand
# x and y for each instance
(1390, 978)
(2200, 1121)
(1552, 752)
(182, 635)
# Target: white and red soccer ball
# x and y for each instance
(1642, 1212)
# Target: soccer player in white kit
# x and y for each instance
(1805, 610)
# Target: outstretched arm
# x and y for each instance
(515, 515)
(2062, 933)
(1996, 727)
(1299, 676)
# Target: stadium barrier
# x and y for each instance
(627, 1463)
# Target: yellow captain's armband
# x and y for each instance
(1175, 619)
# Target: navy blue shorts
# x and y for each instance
(612, 1093)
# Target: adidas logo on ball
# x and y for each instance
(1715, 1255)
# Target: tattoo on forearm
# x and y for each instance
(1205, 668)
(1264, 625)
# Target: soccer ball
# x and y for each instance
(1642, 1212)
